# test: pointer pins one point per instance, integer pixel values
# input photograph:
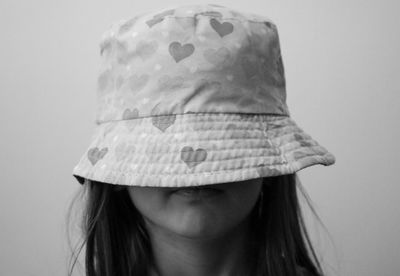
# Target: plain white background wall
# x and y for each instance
(342, 67)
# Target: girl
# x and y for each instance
(192, 168)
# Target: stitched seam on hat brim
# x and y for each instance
(306, 137)
(267, 115)
(285, 145)
(312, 161)
(248, 157)
(183, 142)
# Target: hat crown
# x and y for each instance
(190, 59)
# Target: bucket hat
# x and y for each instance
(193, 95)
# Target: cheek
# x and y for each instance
(150, 202)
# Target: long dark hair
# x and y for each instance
(117, 242)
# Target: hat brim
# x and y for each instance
(196, 149)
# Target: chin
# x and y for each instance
(198, 226)
(197, 234)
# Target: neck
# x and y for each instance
(225, 255)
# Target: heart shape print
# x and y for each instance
(179, 51)
(95, 154)
(163, 122)
(193, 157)
(128, 114)
(222, 29)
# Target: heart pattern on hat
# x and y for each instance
(164, 121)
(193, 157)
(245, 66)
(236, 60)
(179, 51)
(95, 154)
(128, 114)
(222, 29)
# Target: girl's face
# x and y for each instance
(207, 212)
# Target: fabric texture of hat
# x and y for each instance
(193, 95)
